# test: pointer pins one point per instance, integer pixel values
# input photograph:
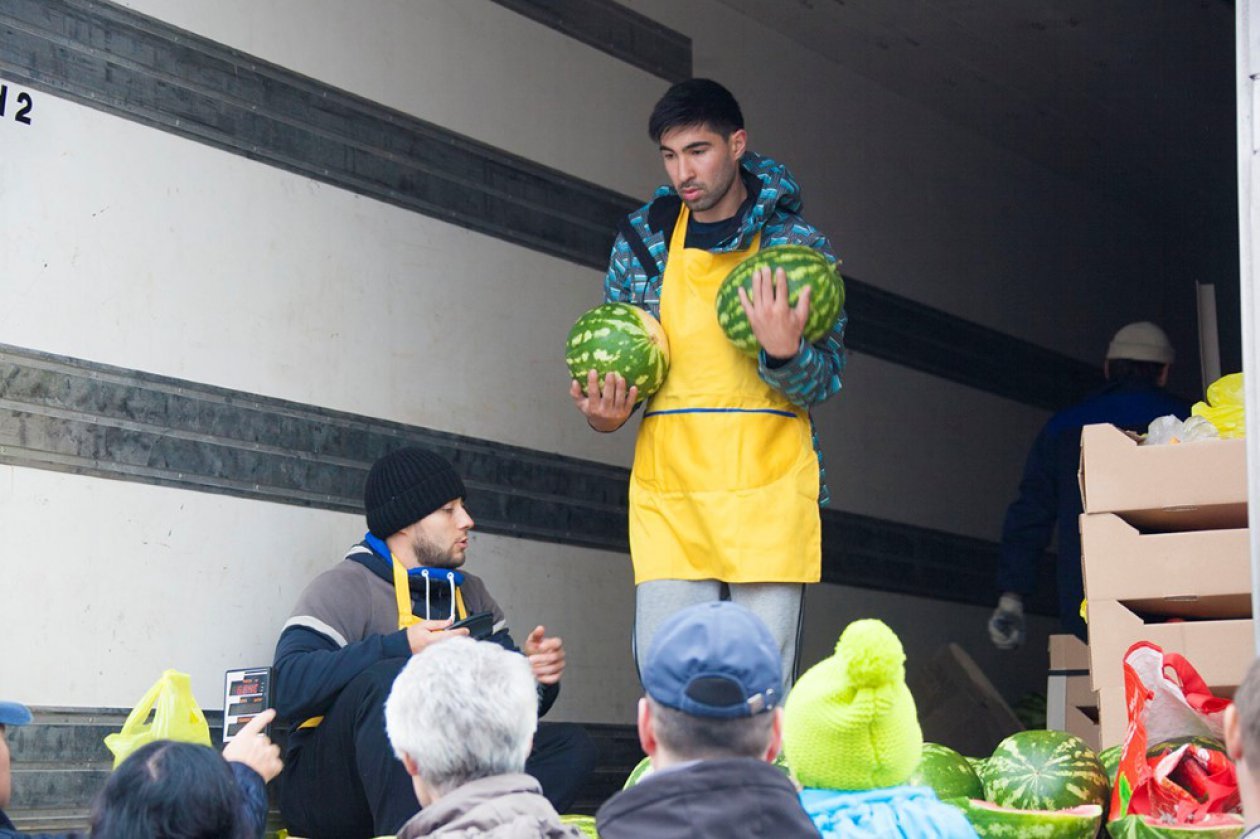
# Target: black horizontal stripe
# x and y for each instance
(81, 417)
(612, 28)
(133, 66)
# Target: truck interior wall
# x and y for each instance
(137, 248)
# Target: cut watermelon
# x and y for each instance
(992, 821)
(1215, 826)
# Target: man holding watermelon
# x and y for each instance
(727, 478)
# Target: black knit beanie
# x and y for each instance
(406, 485)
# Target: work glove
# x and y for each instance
(1006, 626)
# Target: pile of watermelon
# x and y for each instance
(1048, 784)
(1036, 784)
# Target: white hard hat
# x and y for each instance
(1141, 341)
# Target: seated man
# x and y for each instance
(468, 772)
(711, 724)
(1242, 741)
(355, 627)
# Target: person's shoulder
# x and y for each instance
(344, 572)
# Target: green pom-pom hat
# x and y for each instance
(850, 722)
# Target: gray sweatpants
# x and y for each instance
(779, 605)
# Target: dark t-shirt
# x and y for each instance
(707, 235)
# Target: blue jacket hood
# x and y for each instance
(778, 191)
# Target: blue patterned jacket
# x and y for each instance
(815, 373)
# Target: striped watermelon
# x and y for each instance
(994, 822)
(803, 266)
(586, 824)
(619, 338)
(947, 772)
(640, 771)
(1110, 760)
(1214, 826)
(1043, 770)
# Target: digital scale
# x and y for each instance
(246, 693)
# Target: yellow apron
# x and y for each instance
(406, 618)
(725, 478)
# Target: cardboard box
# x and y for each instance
(1071, 704)
(1186, 486)
(1201, 574)
(958, 705)
(1221, 650)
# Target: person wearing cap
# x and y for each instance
(851, 735)
(710, 723)
(353, 630)
(1136, 369)
(12, 714)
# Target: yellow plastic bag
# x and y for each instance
(176, 716)
(1224, 406)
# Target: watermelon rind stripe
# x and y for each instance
(1134, 827)
(992, 822)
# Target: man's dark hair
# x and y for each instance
(696, 102)
(1128, 371)
(1247, 706)
(708, 738)
(172, 790)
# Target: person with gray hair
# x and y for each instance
(461, 717)
(1242, 742)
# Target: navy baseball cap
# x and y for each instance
(14, 713)
(714, 660)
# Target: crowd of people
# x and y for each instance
(413, 709)
(713, 720)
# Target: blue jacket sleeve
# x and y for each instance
(617, 280)
(310, 669)
(547, 694)
(253, 791)
(814, 374)
(1030, 520)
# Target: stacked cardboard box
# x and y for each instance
(1071, 704)
(1164, 550)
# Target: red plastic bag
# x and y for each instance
(1166, 699)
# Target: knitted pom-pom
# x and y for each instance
(871, 654)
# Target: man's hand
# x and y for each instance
(546, 656)
(421, 635)
(607, 408)
(252, 747)
(777, 325)
(1006, 626)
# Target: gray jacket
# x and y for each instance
(500, 807)
(723, 799)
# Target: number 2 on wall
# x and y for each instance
(25, 105)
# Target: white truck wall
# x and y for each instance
(133, 247)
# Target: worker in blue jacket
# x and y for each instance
(1136, 369)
